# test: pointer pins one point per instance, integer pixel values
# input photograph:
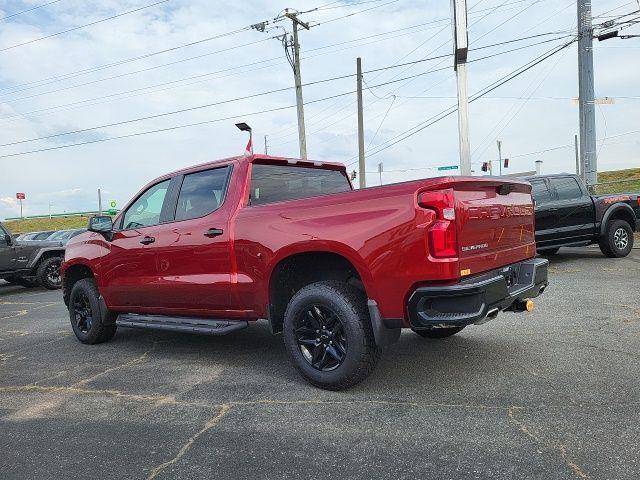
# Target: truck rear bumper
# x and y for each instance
(475, 299)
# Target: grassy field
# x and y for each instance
(39, 224)
(627, 181)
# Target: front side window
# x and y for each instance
(567, 188)
(541, 192)
(145, 211)
(201, 193)
(276, 183)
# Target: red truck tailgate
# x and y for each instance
(484, 223)
(495, 223)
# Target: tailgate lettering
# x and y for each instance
(499, 211)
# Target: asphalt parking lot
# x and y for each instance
(552, 394)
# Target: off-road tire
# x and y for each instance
(44, 274)
(438, 333)
(99, 331)
(611, 243)
(349, 304)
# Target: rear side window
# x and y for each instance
(201, 193)
(567, 188)
(276, 183)
(145, 211)
(541, 192)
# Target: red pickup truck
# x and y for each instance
(338, 271)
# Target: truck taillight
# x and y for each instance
(442, 234)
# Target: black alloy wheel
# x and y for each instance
(52, 273)
(321, 338)
(328, 335)
(49, 273)
(82, 312)
(90, 323)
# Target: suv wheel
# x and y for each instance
(328, 335)
(437, 333)
(84, 313)
(49, 273)
(618, 239)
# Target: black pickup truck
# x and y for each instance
(30, 263)
(567, 216)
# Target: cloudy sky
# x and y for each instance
(113, 72)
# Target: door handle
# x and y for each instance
(213, 232)
(147, 240)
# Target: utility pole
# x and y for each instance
(500, 155)
(99, 202)
(380, 167)
(575, 144)
(361, 165)
(461, 47)
(293, 16)
(266, 146)
(588, 157)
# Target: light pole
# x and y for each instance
(246, 128)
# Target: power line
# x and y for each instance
(189, 109)
(197, 78)
(489, 88)
(205, 76)
(433, 70)
(176, 127)
(126, 74)
(245, 97)
(353, 13)
(77, 73)
(42, 5)
(471, 10)
(73, 74)
(28, 42)
(571, 145)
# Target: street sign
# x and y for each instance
(21, 196)
(448, 167)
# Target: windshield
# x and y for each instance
(42, 236)
(61, 235)
(276, 183)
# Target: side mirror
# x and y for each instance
(102, 224)
(8, 238)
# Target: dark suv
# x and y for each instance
(30, 263)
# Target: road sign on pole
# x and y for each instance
(448, 167)
(21, 196)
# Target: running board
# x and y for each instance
(205, 326)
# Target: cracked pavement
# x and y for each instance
(554, 394)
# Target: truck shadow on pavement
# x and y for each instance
(252, 362)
